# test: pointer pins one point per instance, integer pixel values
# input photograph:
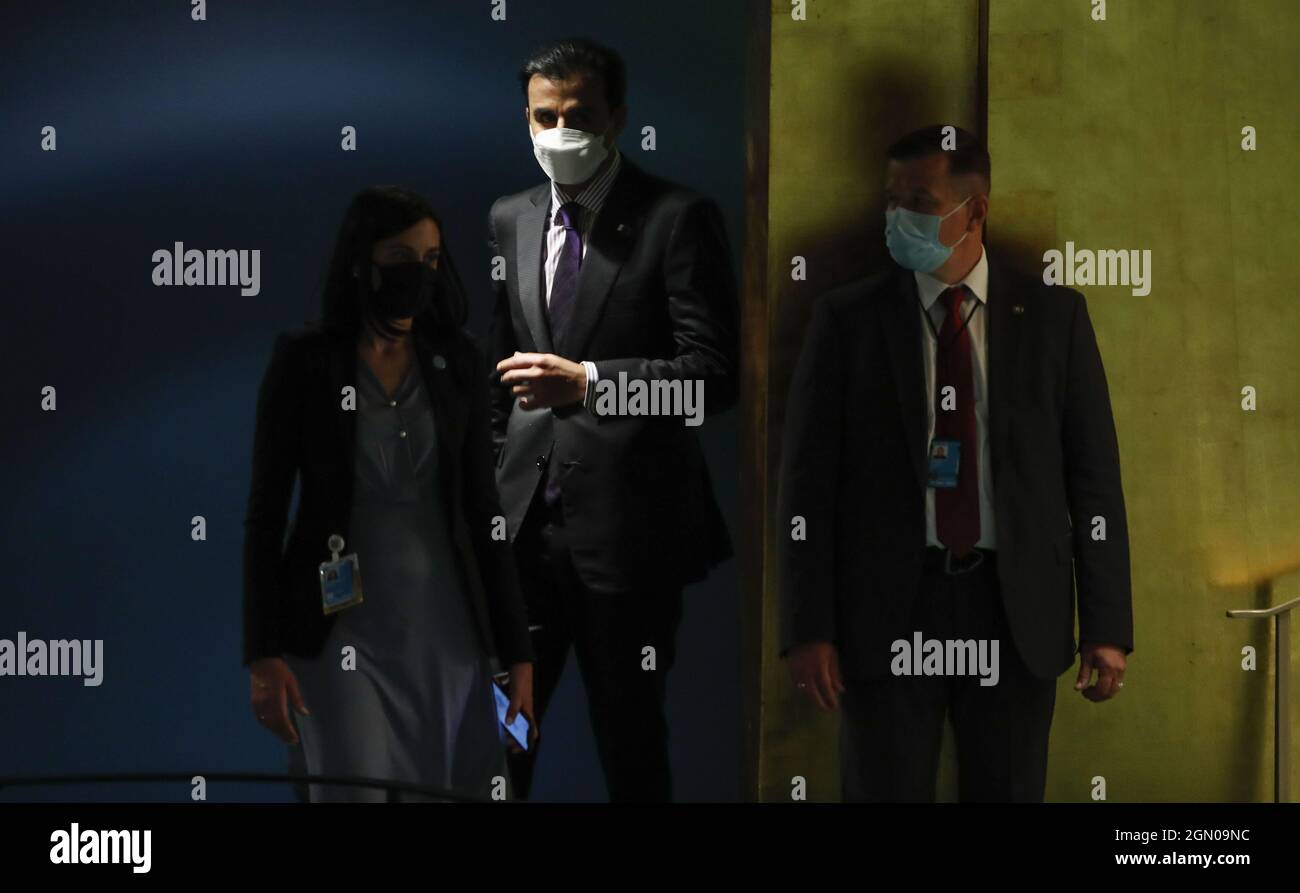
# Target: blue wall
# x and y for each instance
(225, 134)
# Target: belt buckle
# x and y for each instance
(947, 562)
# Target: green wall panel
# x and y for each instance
(844, 84)
(1126, 133)
(1117, 134)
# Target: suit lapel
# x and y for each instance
(1006, 349)
(343, 373)
(530, 230)
(608, 246)
(902, 324)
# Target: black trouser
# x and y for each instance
(609, 632)
(893, 727)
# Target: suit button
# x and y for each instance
(541, 461)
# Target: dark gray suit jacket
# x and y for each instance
(656, 300)
(854, 466)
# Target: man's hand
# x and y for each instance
(815, 671)
(543, 380)
(520, 689)
(1109, 662)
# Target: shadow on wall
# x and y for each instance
(893, 95)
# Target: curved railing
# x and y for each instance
(393, 788)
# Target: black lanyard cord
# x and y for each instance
(943, 348)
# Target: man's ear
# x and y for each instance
(980, 209)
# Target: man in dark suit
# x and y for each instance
(949, 454)
(612, 275)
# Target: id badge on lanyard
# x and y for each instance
(340, 579)
(945, 460)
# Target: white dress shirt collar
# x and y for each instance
(593, 195)
(977, 280)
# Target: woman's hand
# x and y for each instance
(520, 690)
(274, 687)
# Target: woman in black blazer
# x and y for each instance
(380, 410)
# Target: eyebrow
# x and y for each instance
(578, 110)
(407, 249)
(913, 194)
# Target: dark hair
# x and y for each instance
(967, 157)
(376, 213)
(577, 55)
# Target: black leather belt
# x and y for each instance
(941, 561)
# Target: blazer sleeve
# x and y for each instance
(702, 303)
(1094, 490)
(501, 344)
(809, 486)
(274, 468)
(495, 557)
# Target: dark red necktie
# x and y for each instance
(957, 509)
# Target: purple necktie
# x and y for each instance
(564, 285)
(564, 288)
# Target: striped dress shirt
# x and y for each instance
(591, 200)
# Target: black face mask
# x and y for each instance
(405, 289)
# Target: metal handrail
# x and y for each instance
(1267, 612)
(392, 787)
(1281, 681)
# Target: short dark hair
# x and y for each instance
(967, 157)
(577, 55)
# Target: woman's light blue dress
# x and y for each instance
(419, 706)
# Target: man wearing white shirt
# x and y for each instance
(951, 457)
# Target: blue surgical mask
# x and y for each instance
(913, 238)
